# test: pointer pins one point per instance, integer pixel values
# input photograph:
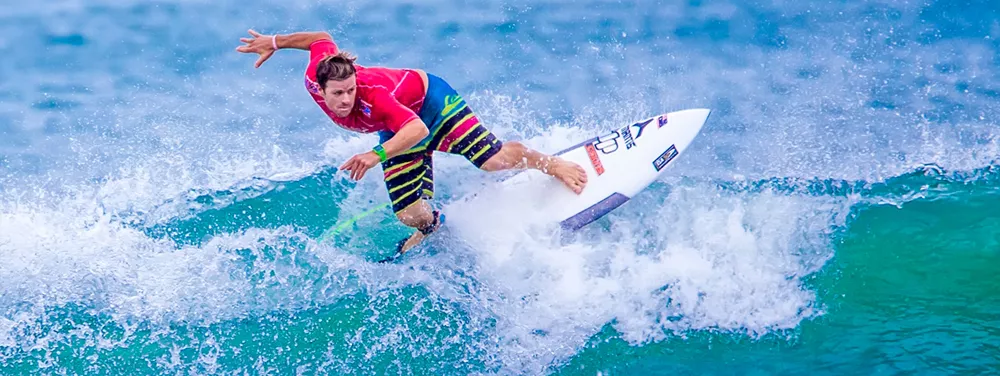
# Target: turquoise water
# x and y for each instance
(161, 201)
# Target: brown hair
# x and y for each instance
(335, 67)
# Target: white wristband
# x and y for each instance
(274, 42)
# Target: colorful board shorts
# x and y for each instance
(454, 129)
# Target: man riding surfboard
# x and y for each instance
(415, 114)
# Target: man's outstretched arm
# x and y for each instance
(300, 40)
(265, 45)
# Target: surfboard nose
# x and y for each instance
(685, 125)
(698, 114)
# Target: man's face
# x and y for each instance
(339, 95)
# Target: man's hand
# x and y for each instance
(360, 163)
(259, 44)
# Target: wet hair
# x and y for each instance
(335, 67)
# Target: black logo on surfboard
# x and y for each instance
(608, 143)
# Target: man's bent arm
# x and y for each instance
(409, 135)
(300, 40)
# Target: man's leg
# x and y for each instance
(469, 138)
(514, 154)
(418, 215)
(409, 180)
(421, 217)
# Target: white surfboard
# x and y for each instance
(619, 165)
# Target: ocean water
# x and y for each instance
(162, 202)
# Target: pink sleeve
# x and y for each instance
(317, 51)
(321, 48)
(387, 110)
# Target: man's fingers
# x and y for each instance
(264, 57)
(359, 170)
(351, 166)
(246, 40)
(252, 32)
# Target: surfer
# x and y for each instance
(415, 114)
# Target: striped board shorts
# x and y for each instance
(454, 129)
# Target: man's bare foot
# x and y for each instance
(414, 239)
(570, 173)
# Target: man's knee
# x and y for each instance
(416, 215)
(506, 158)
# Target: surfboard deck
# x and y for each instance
(619, 165)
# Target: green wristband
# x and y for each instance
(381, 152)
